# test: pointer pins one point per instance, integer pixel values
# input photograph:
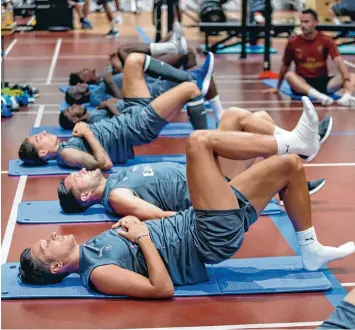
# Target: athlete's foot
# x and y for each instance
(112, 34)
(306, 132)
(315, 255)
(324, 129)
(203, 75)
(326, 100)
(347, 100)
(181, 45)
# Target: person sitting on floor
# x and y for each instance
(310, 51)
(111, 141)
(146, 259)
(151, 191)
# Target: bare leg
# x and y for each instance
(117, 3)
(86, 8)
(258, 184)
(169, 104)
(302, 87)
(108, 12)
(298, 83)
(134, 84)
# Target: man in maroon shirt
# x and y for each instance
(310, 51)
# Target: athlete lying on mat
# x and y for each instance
(112, 141)
(114, 106)
(344, 315)
(174, 43)
(146, 259)
(151, 191)
(117, 60)
(310, 51)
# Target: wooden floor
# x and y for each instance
(46, 59)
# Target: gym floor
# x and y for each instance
(46, 59)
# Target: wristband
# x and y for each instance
(140, 236)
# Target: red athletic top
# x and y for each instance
(310, 56)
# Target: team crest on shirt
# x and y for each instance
(320, 48)
(299, 52)
(108, 247)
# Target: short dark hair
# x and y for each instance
(67, 200)
(311, 12)
(34, 271)
(70, 99)
(74, 79)
(29, 155)
(65, 122)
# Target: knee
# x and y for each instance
(291, 164)
(263, 115)
(197, 141)
(289, 75)
(135, 59)
(235, 114)
(191, 89)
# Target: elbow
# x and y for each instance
(166, 292)
(106, 165)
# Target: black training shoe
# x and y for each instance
(324, 128)
(313, 187)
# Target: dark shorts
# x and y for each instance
(220, 234)
(320, 84)
(341, 10)
(143, 123)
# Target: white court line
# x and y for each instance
(54, 61)
(8, 49)
(348, 284)
(330, 165)
(63, 57)
(243, 326)
(17, 199)
(12, 220)
(4, 172)
(349, 63)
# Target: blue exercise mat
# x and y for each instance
(16, 167)
(64, 89)
(64, 105)
(286, 89)
(171, 130)
(37, 212)
(347, 49)
(235, 276)
(237, 49)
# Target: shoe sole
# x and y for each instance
(311, 192)
(327, 133)
(207, 80)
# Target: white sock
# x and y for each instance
(325, 99)
(279, 130)
(113, 25)
(304, 139)
(315, 255)
(347, 100)
(217, 107)
(163, 48)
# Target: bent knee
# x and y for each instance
(198, 140)
(235, 113)
(135, 59)
(291, 164)
(263, 115)
(289, 75)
